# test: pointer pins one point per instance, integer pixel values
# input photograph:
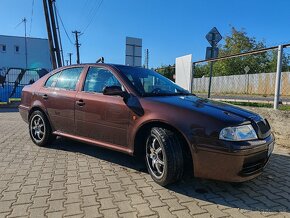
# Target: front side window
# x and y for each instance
(150, 83)
(98, 78)
(68, 78)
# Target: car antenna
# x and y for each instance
(100, 60)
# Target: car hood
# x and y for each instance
(221, 111)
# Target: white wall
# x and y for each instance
(183, 71)
(37, 52)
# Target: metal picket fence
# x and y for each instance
(247, 77)
(12, 81)
(252, 77)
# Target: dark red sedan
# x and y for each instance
(139, 112)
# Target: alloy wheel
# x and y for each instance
(154, 157)
(37, 128)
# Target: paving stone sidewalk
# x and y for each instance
(72, 179)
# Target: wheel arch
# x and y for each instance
(36, 108)
(142, 132)
(39, 108)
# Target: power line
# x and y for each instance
(93, 16)
(19, 23)
(85, 5)
(58, 14)
(93, 7)
(90, 14)
(31, 17)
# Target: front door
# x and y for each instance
(101, 117)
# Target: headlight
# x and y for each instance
(238, 133)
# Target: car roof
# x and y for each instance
(100, 64)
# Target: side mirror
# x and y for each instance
(114, 90)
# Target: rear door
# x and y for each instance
(58, 96)
(101, 117)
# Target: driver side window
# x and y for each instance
(98, 78)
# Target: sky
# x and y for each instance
(169, 29)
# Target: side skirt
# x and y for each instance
(97, 143)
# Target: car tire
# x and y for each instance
(40, 129)
(164, 158)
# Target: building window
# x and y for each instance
(3, 48)
(17, 49)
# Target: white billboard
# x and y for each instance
(183, 71)
(133, 52)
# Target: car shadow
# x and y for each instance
(270, 192)
(122, 159)
(8, 109)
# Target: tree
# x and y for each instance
(239, 42)
(167, 71)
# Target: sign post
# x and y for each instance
(247, 69)
(213, 37)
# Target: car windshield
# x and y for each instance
(150, 83)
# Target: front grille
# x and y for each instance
(254, 164)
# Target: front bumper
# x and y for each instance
(242, 161)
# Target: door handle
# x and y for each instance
(80, 102)
(45, 97)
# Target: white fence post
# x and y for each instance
(278, 77)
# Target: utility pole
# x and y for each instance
(55, 37)
(49, 34)
(25, 40)
(25, 36)
(58, 32)
(77, 45)
(70, 54)
(147, 58)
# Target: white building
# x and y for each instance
(12, 52)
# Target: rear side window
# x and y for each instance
(69, 78)
(52, 80)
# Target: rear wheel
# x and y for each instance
(39, 129)
(164, 157)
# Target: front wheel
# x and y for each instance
(164, 157)
(39, 129)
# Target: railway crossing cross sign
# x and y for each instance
(213, 36)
